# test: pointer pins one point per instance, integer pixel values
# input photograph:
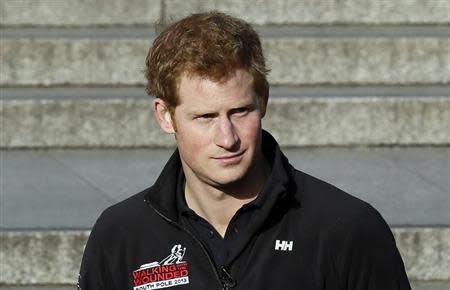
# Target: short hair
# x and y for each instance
(211, 45)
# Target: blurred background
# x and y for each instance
(360, 97)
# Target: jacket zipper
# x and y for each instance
(226, 281)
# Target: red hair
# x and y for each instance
(211, 45)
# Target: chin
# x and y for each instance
(231, 178)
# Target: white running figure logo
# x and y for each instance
(175, 257)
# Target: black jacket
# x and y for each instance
(308, 235)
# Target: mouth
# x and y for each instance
(229, 158)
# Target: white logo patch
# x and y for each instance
(284, 245)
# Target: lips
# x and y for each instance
(229, 159)
(230, 156)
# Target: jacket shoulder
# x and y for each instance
(355, 235)
(124, 214)
(327, 203)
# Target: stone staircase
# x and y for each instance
(360, 97)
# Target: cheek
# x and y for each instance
(191, 140)
(250, 130)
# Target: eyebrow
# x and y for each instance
(198, 112)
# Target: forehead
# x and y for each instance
(203, 93)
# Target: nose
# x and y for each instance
(225, 135)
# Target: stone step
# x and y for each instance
(147, 12)
(67, 189)
(51, 198)
(271, 31)
(322, 12)
(54, 257)
(88, 13)
(120, 92)
(295, 121)
(293, 60)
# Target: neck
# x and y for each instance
(218, 205)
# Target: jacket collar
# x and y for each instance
(162, 195)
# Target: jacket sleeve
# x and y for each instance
(369, 258)
(94, 270)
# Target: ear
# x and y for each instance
(163, 116)
(262, 102)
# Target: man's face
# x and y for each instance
(218, 128)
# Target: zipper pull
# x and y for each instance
(227, 280)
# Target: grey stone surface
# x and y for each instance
(294, 61)
(430, 285)
(277, 31)
(40, 192)
(78, 13)
(46, 257)
(145, 12)
(118, 92)
(53, 257)
(91, 123)
(68, 189)
(358, 61)
(82, 61)
(425, 252)
(319, 12)
(348, 121)
(305, 121)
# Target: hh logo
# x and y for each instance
(169, 272)
(284, 245)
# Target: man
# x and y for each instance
(228, 211)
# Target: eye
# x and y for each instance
(204, 117)
(241, 111)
